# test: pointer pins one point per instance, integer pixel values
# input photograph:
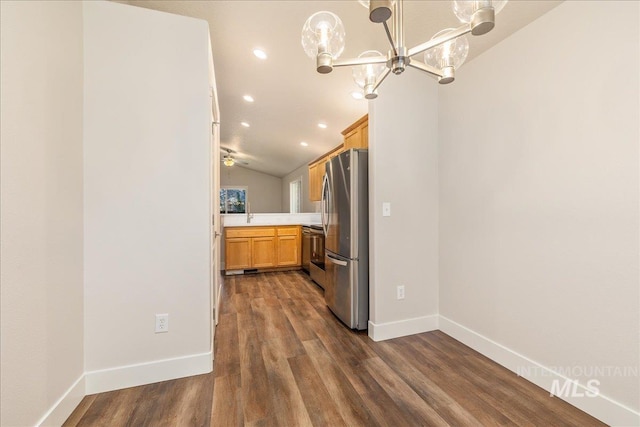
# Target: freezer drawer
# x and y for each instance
(345, 291)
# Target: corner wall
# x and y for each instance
(539, 201)
(42, 361)
(147, 195)
(265, 191)
(403, 170)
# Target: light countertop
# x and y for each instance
(261, 219)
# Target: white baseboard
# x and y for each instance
(147, 373)
(601, 407)
(401, 328)
(65, 405)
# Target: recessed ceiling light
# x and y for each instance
(304, 144)
(245, 124)
(259, 53)
(322, 125)
(248, 98)
(357, 95)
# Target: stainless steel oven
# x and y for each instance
(316, 257)
(306, 248)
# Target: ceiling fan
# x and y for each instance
(228, 160)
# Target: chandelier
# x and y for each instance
(323, 38)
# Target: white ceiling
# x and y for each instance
(290, 97)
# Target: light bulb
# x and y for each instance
(447, 56)
(464, 9)
(366, 75)
(323, 33)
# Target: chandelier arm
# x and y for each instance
(390, 38)
(426, 68)
(398, 23)
(360, 61)
(460, 31)
(381, 78)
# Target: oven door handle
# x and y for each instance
(337, 261)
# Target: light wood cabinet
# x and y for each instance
(262, 252)
(262, 247)
(317, 170)
(289, 246)
(238, 253)
(315, 181)
(357, 135)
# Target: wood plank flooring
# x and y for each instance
(283, 359)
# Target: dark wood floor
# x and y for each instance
(283, 359)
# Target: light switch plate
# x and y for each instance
(386, 209)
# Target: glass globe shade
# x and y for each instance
(367, 74)
(464, 9)
(323, 32)
(449, 54)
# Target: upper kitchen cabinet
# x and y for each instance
(357, 135)
(316, 173)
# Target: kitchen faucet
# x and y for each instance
(249, 214)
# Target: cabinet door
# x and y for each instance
(288, 251)
(237, 254)
(364, 135)
(314, 185)
(353, 139)
(263, 252)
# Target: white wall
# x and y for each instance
(403, 170)
(306, 205)
(539, 193)
(265, 191)
(147, 196)
(41, 211)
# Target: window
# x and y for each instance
(233, 200)
(295, 196)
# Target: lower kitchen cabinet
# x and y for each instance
(238, 253)
(289, 246)
(262, 247)
(262, 252)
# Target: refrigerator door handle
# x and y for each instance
(337, 261)
(324, 204)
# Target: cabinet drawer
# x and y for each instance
(250, 232)
(288, 231)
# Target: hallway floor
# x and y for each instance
(283, 359)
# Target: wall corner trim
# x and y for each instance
(601, 407)
(147, 373)
(401, 328)
(65, 405)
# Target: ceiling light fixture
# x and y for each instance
(304, 144)
(323, 39)
(322, 125)
(245, 124)
(259, 53)
(248, 98)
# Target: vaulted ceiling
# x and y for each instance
(290, 98)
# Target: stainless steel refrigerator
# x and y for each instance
(345, 220)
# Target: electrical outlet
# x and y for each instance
(162, 323)
(400, 292)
